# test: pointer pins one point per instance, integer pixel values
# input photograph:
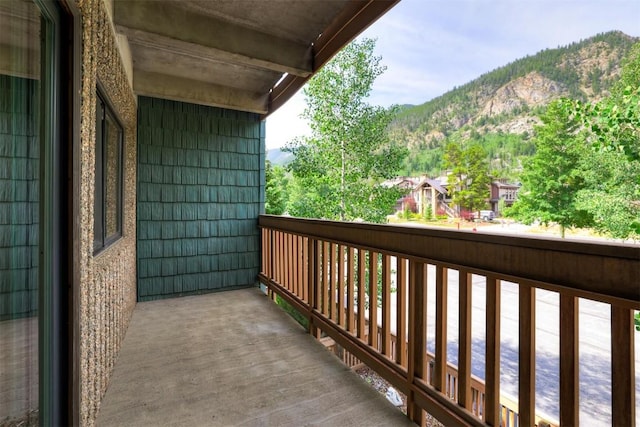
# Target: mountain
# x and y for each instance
(499, 109)
(278, 157)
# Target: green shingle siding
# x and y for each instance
(19, 169)
(199, 195)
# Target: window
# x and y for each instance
(107, 220)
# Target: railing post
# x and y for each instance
(417, 336)
(623, 408)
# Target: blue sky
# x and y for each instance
(430, 46)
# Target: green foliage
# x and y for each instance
(276, 183)
(611, 193)
(612, 127)
(428, 212)
(295, 314)
(552, 178)
(469, 180)
(636, 320)
(337, 171)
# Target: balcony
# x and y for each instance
(233, 358)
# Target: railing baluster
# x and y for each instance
(401, 312)
(569, 362)
(361, 293)
(526, 355)
(373, 299)
(440, 377)
(288, 262)
(492, 340)
(325, 278)
(340, 286)
(300, 271)
(294, 264)
(312, 283)
(350, 290)
(280, 257)
(417, 335)
(623, 406)
(332, 282)
(386, 305)
(464, 339)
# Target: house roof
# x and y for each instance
(501, 184)
(427, 182)
(249, 55)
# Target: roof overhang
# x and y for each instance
(249, 55)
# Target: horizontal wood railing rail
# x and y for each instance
(331, 271)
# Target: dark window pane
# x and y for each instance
(108, 190)
(98, 231)
(112, 184)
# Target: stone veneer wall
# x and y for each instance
(200, 190)
(107, 281)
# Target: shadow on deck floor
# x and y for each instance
(233, 359)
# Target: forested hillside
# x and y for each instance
(500, 108)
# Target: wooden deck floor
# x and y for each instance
(233, 359)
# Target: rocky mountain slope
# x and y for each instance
(504, 104)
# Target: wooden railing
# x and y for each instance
(330, 271)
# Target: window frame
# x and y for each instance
(101, 240)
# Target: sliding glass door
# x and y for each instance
(32, 353)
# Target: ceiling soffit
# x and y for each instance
(231, 53)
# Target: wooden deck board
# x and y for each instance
(233, 358)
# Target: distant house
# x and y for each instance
(405, 183)
(503, 190)
(432, 192)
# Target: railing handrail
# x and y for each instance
(608, 270)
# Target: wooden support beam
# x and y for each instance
(227, 41)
